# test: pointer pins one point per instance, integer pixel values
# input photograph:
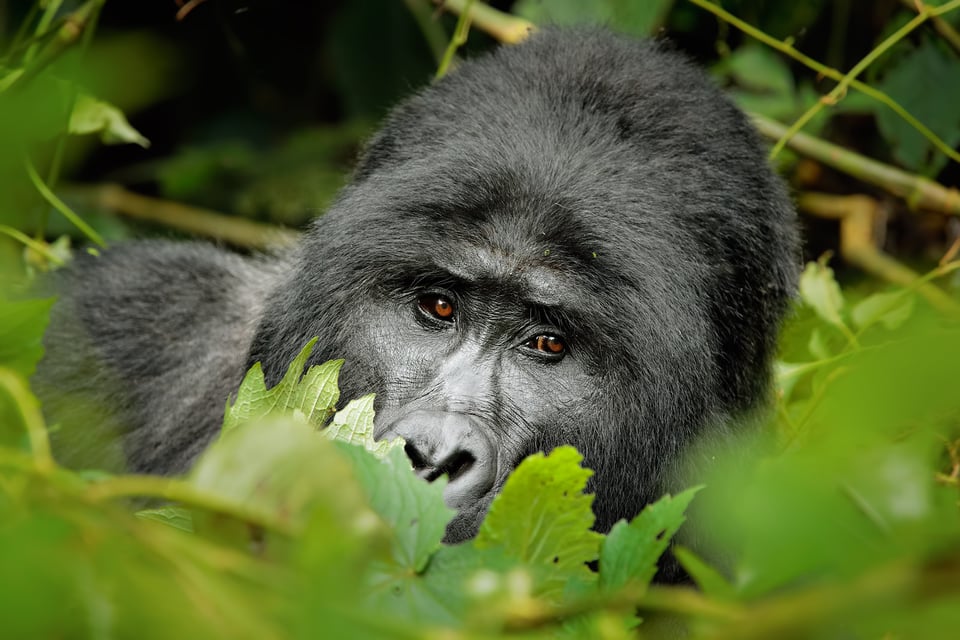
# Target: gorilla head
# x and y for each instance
(576, 240)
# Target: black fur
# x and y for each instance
(605, 177)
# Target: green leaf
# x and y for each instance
(543, 519)
(817, 345)
(710, 581)
(22, 324)
(757, 69)
(637, 18)
(820, 291)
(413, 508)
(927, 70)
(457, 580)
(889, 309)
(563, 12)
(630, 552)
(788, 374)
(311, 399)
(96, 116)
(176, 517)
(354, 425)
(280, 469)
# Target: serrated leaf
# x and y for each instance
(176, 517)
(820, 291)
(354, 425)
(630, 552)
(889, 309)
(412, 507)
(96, 116)
(542, 518)
(311, 399)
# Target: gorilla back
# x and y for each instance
(574, 240)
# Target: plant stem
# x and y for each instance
(180, 491)
(458, 39)
(61, 206)
(789, 50)
(29, 410)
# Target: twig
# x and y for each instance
(502, 26)
(856, 214)
(60, 206)
(919, 192)
(457, 40)
(67, 34)
(184, 493)
(943, 27)
(37, 245)
(29, 409)
(195, 220)
(824, 70)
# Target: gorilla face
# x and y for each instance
(480, 362)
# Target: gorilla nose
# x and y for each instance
(453, 444)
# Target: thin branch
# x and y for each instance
(856, 214)
(946, 31)
(29, 410)
(71, 28)
(182, 492)
(194, 220)
(919, 192)
(60, 206)
(822, 69)
(837, 93)
(36, 245)
(502, 26)
(457, 40)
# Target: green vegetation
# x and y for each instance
(837, 515)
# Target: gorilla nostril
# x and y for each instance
(416, 459)
(457, 464)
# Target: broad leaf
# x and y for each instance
(543, 519)
(311, 399)
(820, 291)
(413, 508)
(354, 425)
(22, 324)
(889, 309)
(630, 552)
(96, 116)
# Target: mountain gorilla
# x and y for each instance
(576, 240)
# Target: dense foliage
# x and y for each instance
(837, 514)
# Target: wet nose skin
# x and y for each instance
(452, 444)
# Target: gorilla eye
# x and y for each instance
(437, 306)
(549, 345)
